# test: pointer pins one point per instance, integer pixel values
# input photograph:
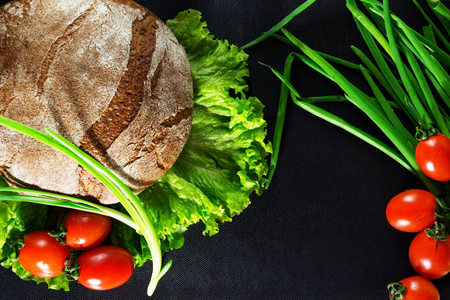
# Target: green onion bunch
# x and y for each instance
(407, 72)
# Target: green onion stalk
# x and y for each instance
(138, 218)
(405, 71)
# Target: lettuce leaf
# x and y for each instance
(222, 164)
(17, 219)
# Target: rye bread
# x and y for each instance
(109, 76)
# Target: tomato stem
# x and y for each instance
(13, 247)
(60, 233)
(396, 290)
(72, 267)
(424, 131)
(441, 204)
(437, 231)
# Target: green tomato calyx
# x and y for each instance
(396, 290)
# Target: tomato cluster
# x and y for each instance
(46, 254)
(420, 212)
(429, 252)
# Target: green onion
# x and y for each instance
(280, 24)
(408, 66)
(432, 64)
(434, 29)
(65, 201)
(323, 114)
(285, 87)
(442, 12)
(365, 21)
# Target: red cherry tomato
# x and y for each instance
(105, 267)
(412, 210)
(42, 255)
(86, 230)
(433, 157)
(429, 259)
(420, 288)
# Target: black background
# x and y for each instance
(319, 232)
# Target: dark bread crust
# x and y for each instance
(108, 75)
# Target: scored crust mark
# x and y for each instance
(127, 100)
(60, 41)
(182, 114)
(156, 75)
(137, 150)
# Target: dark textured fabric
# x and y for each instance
(319, 232)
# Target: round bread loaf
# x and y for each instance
(109, 76)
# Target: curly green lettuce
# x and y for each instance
(222, 163)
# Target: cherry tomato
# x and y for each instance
(420, 288)
(429, 259)
(433, 157)
(412, 210)
(105, 267)
(86, 230)
(42, 255)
